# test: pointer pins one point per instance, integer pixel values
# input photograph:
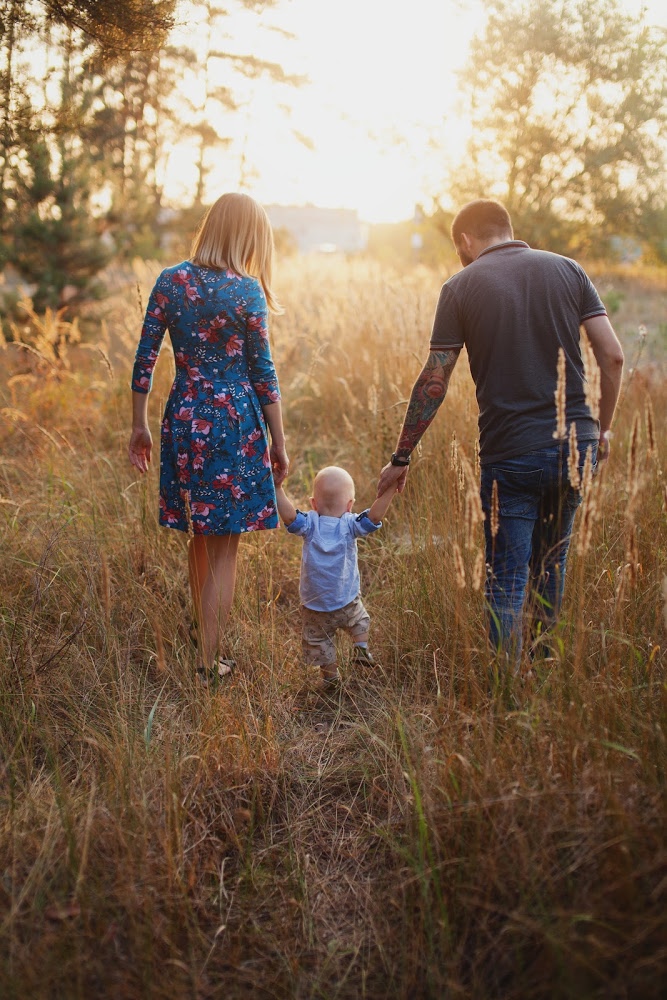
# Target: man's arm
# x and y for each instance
(609, 356)
(427, 394)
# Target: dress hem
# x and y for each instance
(238, 531)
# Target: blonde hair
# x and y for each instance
(236, 233)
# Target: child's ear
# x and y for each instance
(313, 504)
(350, 505)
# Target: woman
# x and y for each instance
(216, 465)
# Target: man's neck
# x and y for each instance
(494, 241)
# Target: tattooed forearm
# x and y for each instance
(428, 393)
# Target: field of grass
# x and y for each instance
(425, 838)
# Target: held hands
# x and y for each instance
(279, 463)
(140, 447)
(392, 475)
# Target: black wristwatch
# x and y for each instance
(395, 460)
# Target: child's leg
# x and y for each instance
(317, 642)
(357, 625)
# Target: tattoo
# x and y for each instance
(428, 393)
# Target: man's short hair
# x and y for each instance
(482, 219)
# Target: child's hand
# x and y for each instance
(279, 464)
(382, 501)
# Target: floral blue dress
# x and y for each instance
(215, 471)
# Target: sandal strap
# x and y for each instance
(222, 668)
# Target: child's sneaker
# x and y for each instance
(330, 689)
(362, 657)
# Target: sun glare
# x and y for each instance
(372, 127)
(376, 126)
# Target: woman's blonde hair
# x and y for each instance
(236, 233)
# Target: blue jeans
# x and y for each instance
(536, 508)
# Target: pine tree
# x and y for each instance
(55, 239)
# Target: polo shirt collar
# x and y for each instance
(502, 246)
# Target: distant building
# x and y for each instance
(320, 230)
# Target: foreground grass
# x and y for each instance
(430, 835)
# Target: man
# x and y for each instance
(513, 308)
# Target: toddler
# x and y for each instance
(329, 586)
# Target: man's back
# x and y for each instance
(513, 308)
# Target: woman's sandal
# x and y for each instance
(213, 675)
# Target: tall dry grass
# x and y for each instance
(430, 836)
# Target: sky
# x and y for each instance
(379, 121)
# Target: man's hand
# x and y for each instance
(604, 447)
(392, 475)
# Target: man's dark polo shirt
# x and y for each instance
(513, 308)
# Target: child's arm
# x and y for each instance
(286, 508)
(380, 506)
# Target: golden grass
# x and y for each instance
(425, 838)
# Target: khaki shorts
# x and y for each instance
(320, 627)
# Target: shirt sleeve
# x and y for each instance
(152, 335)
(591, 303)
(299, 525)
(361, 524)
(447, 330)
(262, 370)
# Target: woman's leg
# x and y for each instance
(212, 563)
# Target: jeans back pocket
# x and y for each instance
(518, 491)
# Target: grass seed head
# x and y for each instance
(478, 570)
(592, 380)
(495, 509)
(573, 459)
(453, 452)
(560, 396)
(459, 566)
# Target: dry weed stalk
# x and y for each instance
(592, 382)
(664, 600)
(651, 446)
(373, 399)
(105, 586)
(459, 566)
(453, 453)
(587, 477)
(478, 570)
(474, 515)
(633, 480)
(495, 509)
(560, 397)
(590, 506)
(573, 458)
(632, 564)
(160, 656)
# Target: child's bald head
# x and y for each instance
(333, 491)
